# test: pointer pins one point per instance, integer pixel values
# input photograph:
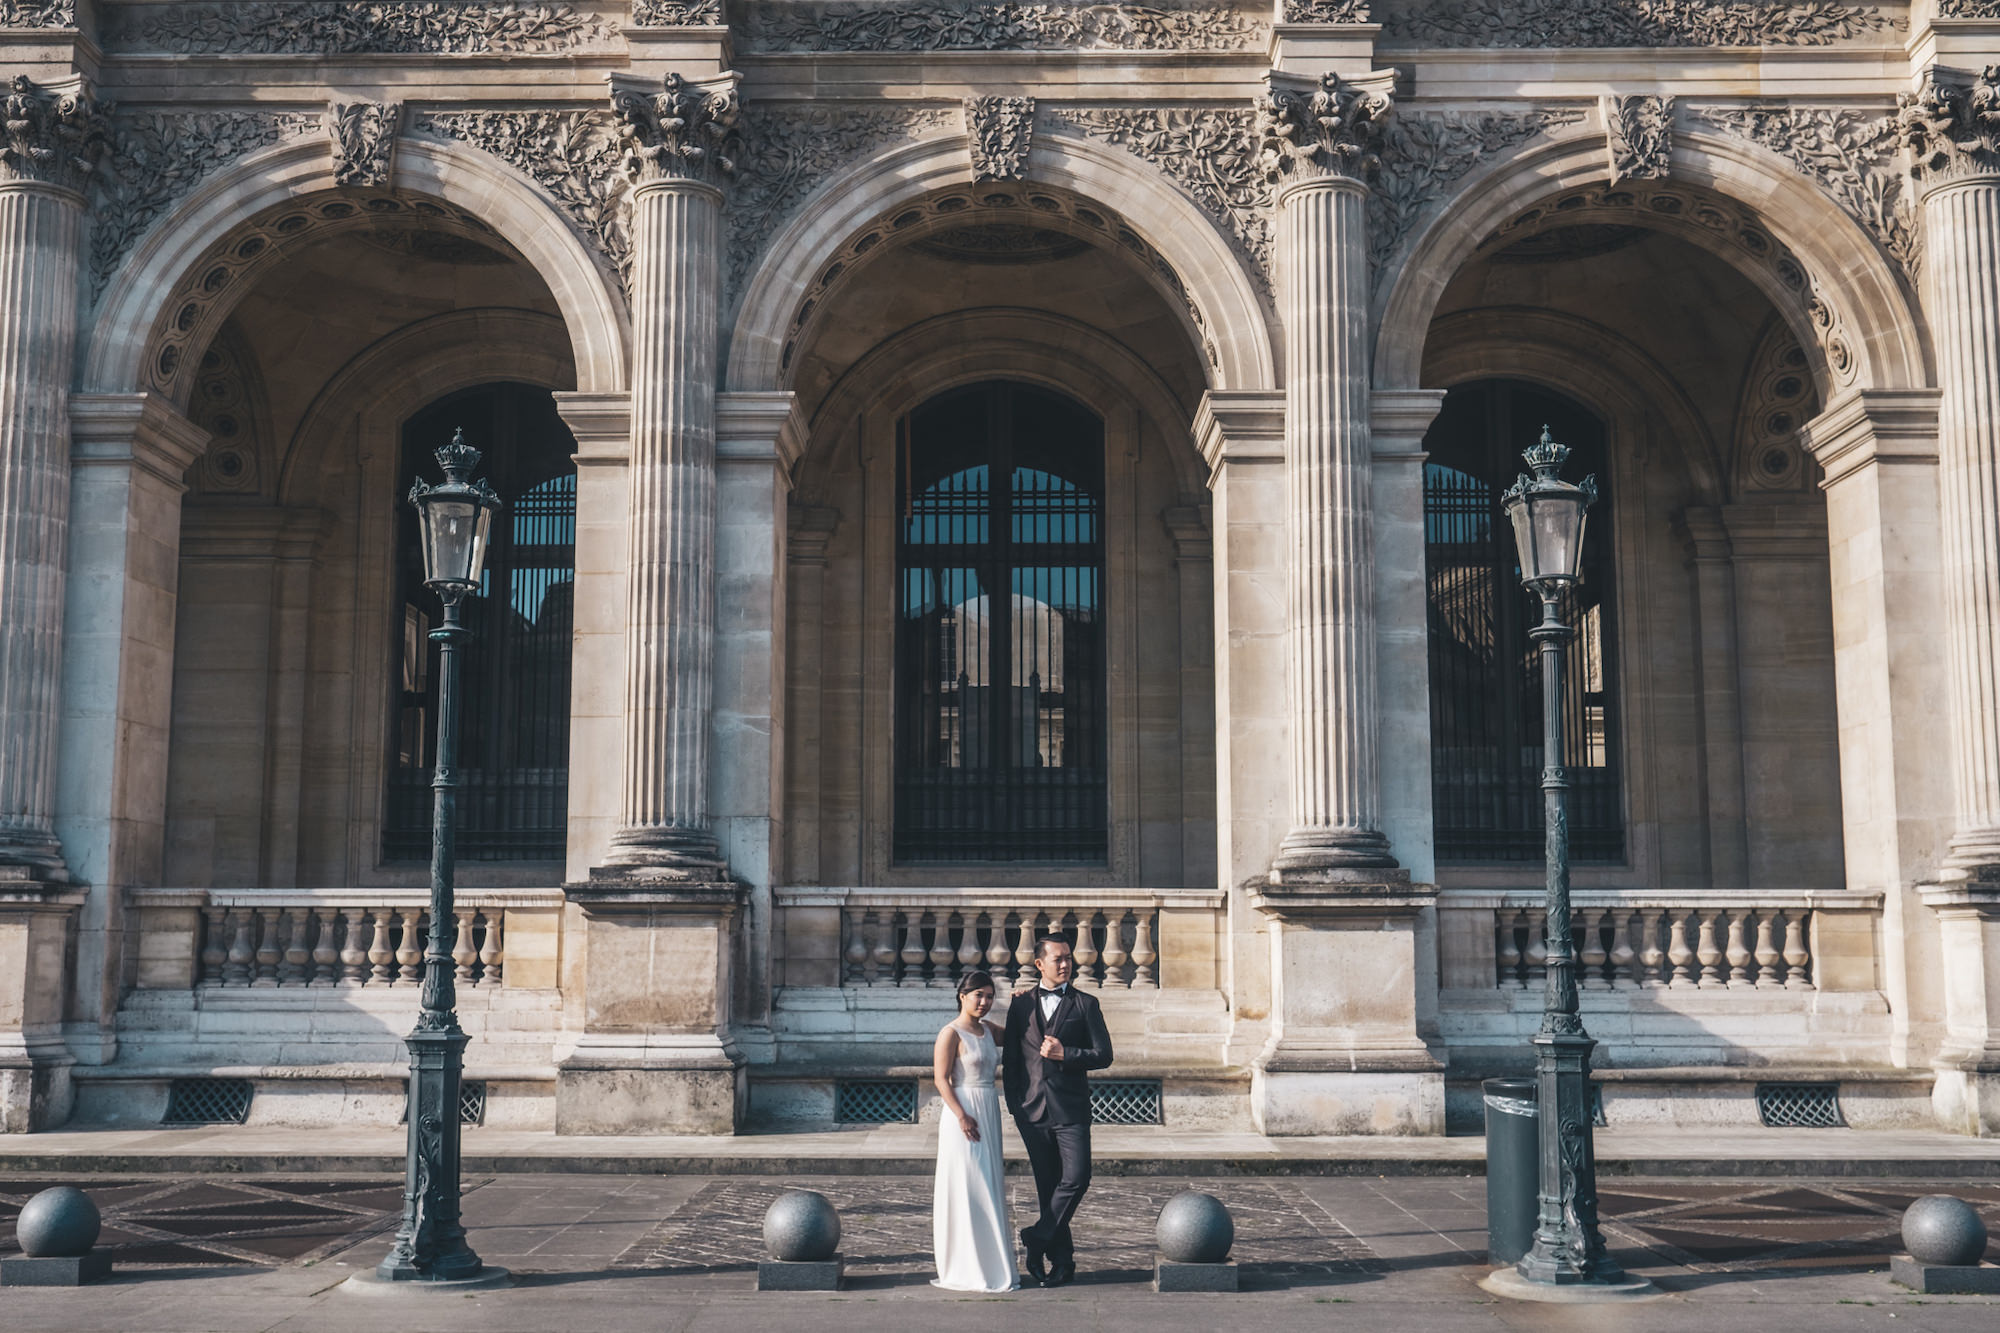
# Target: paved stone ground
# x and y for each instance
(673, 1254)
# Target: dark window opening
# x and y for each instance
(513, 747)
(1000, 681)
(1485, 675)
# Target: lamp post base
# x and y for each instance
(1508, 1282)
(372, 1283)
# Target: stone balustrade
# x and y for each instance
(1762, 942)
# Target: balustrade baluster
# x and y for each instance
(970, 952)
(410, 948)
(493, 949)
(214, 944)
(879, 928)
(1708, 952)
(354, 953)
(326, 958)
(1766, 952)
(1144, 955)
(1593, 955)
(1537, 953)
(1678, 951)
(1086, 950)
(853, 922)
(1796, 956)
(998, 955)
(380, 956)
(1506, 951)
(1737, 952)
(463, 955)
(1624, 922)
(1024, 952)
(295, 959)
(941, 952)
(1654, 970)
(912, 956)
(1115, 952)
(268, 952)
(242, 958)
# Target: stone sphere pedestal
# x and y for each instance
(1946, 1238)
(56, 1229)
(802, 1233)
(1195, 1232)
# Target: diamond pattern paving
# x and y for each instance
(1747, 1228)
(210, 1222)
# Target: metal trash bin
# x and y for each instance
(1513, 1168)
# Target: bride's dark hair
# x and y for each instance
(973, 981)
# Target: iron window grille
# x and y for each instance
(1485, 674)
(875, 1102)
(1000, 655)
(513, 794)
(208, 1101)
(1125, 1101)
(1799, 1105)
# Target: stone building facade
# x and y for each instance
(977, 468)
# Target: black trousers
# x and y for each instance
(1059, 1155)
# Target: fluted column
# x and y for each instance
(677, 160)
(1321, 140)
(50, 139)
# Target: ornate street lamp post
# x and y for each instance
(456, 519)
(1568, 1260)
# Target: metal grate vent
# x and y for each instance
(1125, 1101)
(875, 1102)
(471, 1103)
(1597, 1119)
(1799, 1105)
(208, 1101)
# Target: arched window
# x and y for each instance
(1485, 676)
(513, 749)
(1000, 737)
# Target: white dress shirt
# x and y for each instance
(1050, 998)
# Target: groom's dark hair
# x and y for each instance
(1042, 943)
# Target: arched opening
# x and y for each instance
(1000, 644)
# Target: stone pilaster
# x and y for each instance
(49, 141)
(1319, 145)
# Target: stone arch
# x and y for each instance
(474, 192)
(1218, 284)
(1853, 292)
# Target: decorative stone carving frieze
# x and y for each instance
(684, 132)
(1639, 136)
(1334, 13)
(157, 157)
(576, 156)
(1778, 399)
(1645, 23)
(1952, 129)
(677, 13)
(997, 25)
(1849, 154)
(1968, 9)
(318, 27)
(1332, 129)
(789, 151)
(1211, 152)
(999, 130)
(1425, 152)
(37, 13)
(54, 136)
(364, 141)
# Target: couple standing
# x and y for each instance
(1054, 1036)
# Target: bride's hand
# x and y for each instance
(969, 1127)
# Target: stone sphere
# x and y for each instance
(1938, 1229)
(58, 1223)
(1196, 1229)
(801, 1227)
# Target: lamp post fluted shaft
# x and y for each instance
(430, 1244)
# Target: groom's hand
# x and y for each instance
(1051, 1049)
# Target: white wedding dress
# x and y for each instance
(969, 1231)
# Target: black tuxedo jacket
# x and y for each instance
(1045, 1091)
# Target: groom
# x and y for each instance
(1055, 1036)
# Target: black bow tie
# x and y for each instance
(1056, 990)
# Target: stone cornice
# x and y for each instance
(1950, 127)
(762, 426)
(1868, 426)
(684, 132)
(602, 424)
(51, 135)
(1328, 130)
(143, 429)
(1240, 426)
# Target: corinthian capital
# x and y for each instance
(50, 135)
(1327, 129)
(684, 132)
(1951, 129)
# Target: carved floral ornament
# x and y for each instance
(364, 142)
(677, 13)
(386, 27)
(1548, 24)
(1330, 129)
(37, 13)
(1639, 134)
(1000, 25)
(1951, 127)
(52, 136)
(999, 130)
(685, 132)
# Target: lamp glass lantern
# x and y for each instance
(456, 519)
(1548, 514)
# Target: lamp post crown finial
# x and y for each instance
(458, 458)
(1546, 457)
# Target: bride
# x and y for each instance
(973, 1243)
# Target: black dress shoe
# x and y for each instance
(1061, 1273)
(1037, 1274)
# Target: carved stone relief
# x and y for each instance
(686, 131)
(228, 395)
(1851, 155)
(157, 157)
(1331, 129)
(1644, 23)
(364, 141)
(997, 25)
(1211, 152)
(677, 13)
(577, 156)
(1335, 13)
(1424, 153)
(37, 13)
(319, 27)
(999, 131)
(1951, 129)
(1639, 136)
(1968, 9)
(1778, 398)
(54, 136)
(790, 151)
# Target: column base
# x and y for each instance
(1966, 1095)
(1308, 851)
(1966, 1098)
(633, 1099)
(35, 1062)
(671, 854)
